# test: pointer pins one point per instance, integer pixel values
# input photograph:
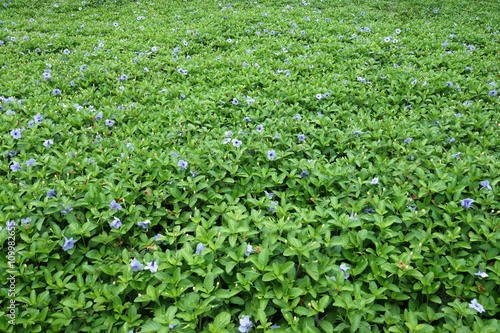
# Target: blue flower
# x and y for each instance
(375, 181)
(16, 133)
(51, 193)
(68, 243)
(493, 93)
(304, 174)
(451, 140)
(270, 195)
(236, 143)
(297, 116)
(25, 222)
(357, 132)
(245, 324)
(144, 224)
(123, 77)
(200, 248)
(369, 211)
(114, 205)
(116, 223)
(67, 209)
(319, 96)
(301, 137)
(467, 203)
(249, 250)
(450, 84)
(235, 101)
(56, 91)
(456, 155)
(109, 122)
(228, 134)
(486, 184)
(247, 119)
(271, 154)
(152, 266)
(193, 173)
(15, 166)
(413, 208)
(136, 265)
(481, 273)
(476, 306)
(353, 217)
(408, 140)
(30, 162)
(275, 327)
(158, 236)
(260, 128)
(182, 164)
(38, 118)
(47, 143)
(276, 137)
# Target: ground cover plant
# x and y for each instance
(202, 166)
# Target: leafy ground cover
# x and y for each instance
(196, 166)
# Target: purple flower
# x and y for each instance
(493, 93)
(245, 324)
(357, 132)
(56, 91)
(200, 248)
(116, 223)
(136, 265)
(182, 164)
(481, 273)
(271, 154)
(123, 77)
(144, 224)
(98, 116)
(249, 250)
(68, 243)
(175, 154)
(486, 184)
(193, 173)
(67, 209)
(408, 140)
(353, 217)
(236, 143)
(269, 194)
(413, 208)
(47, 143)
(297, 116)
(304, 173)
(152, 266)
(476, 306)
(456, 155)
(271, 210)
(235, 101)
(301, 137)
(467, 203)
(16, 133)
(51, 193)
(114, 205)
(276, 137)
(247, 119)
(451, 140)
(319, 96)
(109, 122)
(30, 162)
(375, 181)
(38, 118)
(260, 128)
(450, 84)
(275, 327)
(15, 166)
(25, 222)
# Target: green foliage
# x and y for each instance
(366, 227)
